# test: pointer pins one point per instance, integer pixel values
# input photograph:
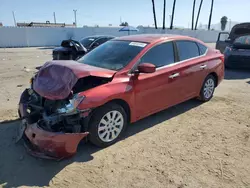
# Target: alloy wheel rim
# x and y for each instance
(208, 88)
(110, 126)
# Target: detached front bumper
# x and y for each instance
(44, 144)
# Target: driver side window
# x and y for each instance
(160, 55)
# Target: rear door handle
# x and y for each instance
(203, 66)
(174, 75)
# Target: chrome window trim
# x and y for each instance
(175, 63)
(179, 62)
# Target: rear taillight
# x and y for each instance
(222, 58)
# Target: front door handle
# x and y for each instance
(203, 66)
(174, 75)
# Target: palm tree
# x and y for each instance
(223, 22)
(172, 17)
(193, 14)
(153, 3)
(198, 15)
(211, 13)
(164, 12)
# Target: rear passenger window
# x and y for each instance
(187, 50)
(160, 55)
(203, 49)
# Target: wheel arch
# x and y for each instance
(124, 105)
(120, 102)
(214, 74)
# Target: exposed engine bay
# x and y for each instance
(53, 121)
(89, 82)
(59, 115)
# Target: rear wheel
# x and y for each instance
(107, 124)
(207, 89)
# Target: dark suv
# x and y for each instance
(225, 39)
(73, 50)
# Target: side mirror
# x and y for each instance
(38, 68)
(228, 40)
(146, 68)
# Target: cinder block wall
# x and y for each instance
(30, 37)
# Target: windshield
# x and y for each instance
(113, 55)
(86, 42)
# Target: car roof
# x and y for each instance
(150, 38)
(99, 36)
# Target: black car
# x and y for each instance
(226, 39)
(237, 55)
(73, 50)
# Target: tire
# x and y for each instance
(209, 85)
(101, 124)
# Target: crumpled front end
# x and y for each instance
(54, 122)
(51, 129)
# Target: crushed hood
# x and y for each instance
(239, 30)
(55, 79)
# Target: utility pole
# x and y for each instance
(75, 17)
(211, 13)
(120, 20)
(14, 18)
(54, 17)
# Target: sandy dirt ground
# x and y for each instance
(190, 145)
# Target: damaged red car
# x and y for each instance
(119, 82)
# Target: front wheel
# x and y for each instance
(207, 89)
(107, 124)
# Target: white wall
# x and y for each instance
(27, 37)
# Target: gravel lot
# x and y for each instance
(190, 145)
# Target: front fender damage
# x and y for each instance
(55, 122)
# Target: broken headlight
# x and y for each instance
(72, 105)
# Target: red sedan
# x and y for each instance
(119, 82)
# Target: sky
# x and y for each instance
(105, 12)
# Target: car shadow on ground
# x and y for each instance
(236, 74)
(17, 168)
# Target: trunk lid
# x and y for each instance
(239, 30)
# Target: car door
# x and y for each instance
(151, 89)
(192, 68)
(222, 41)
